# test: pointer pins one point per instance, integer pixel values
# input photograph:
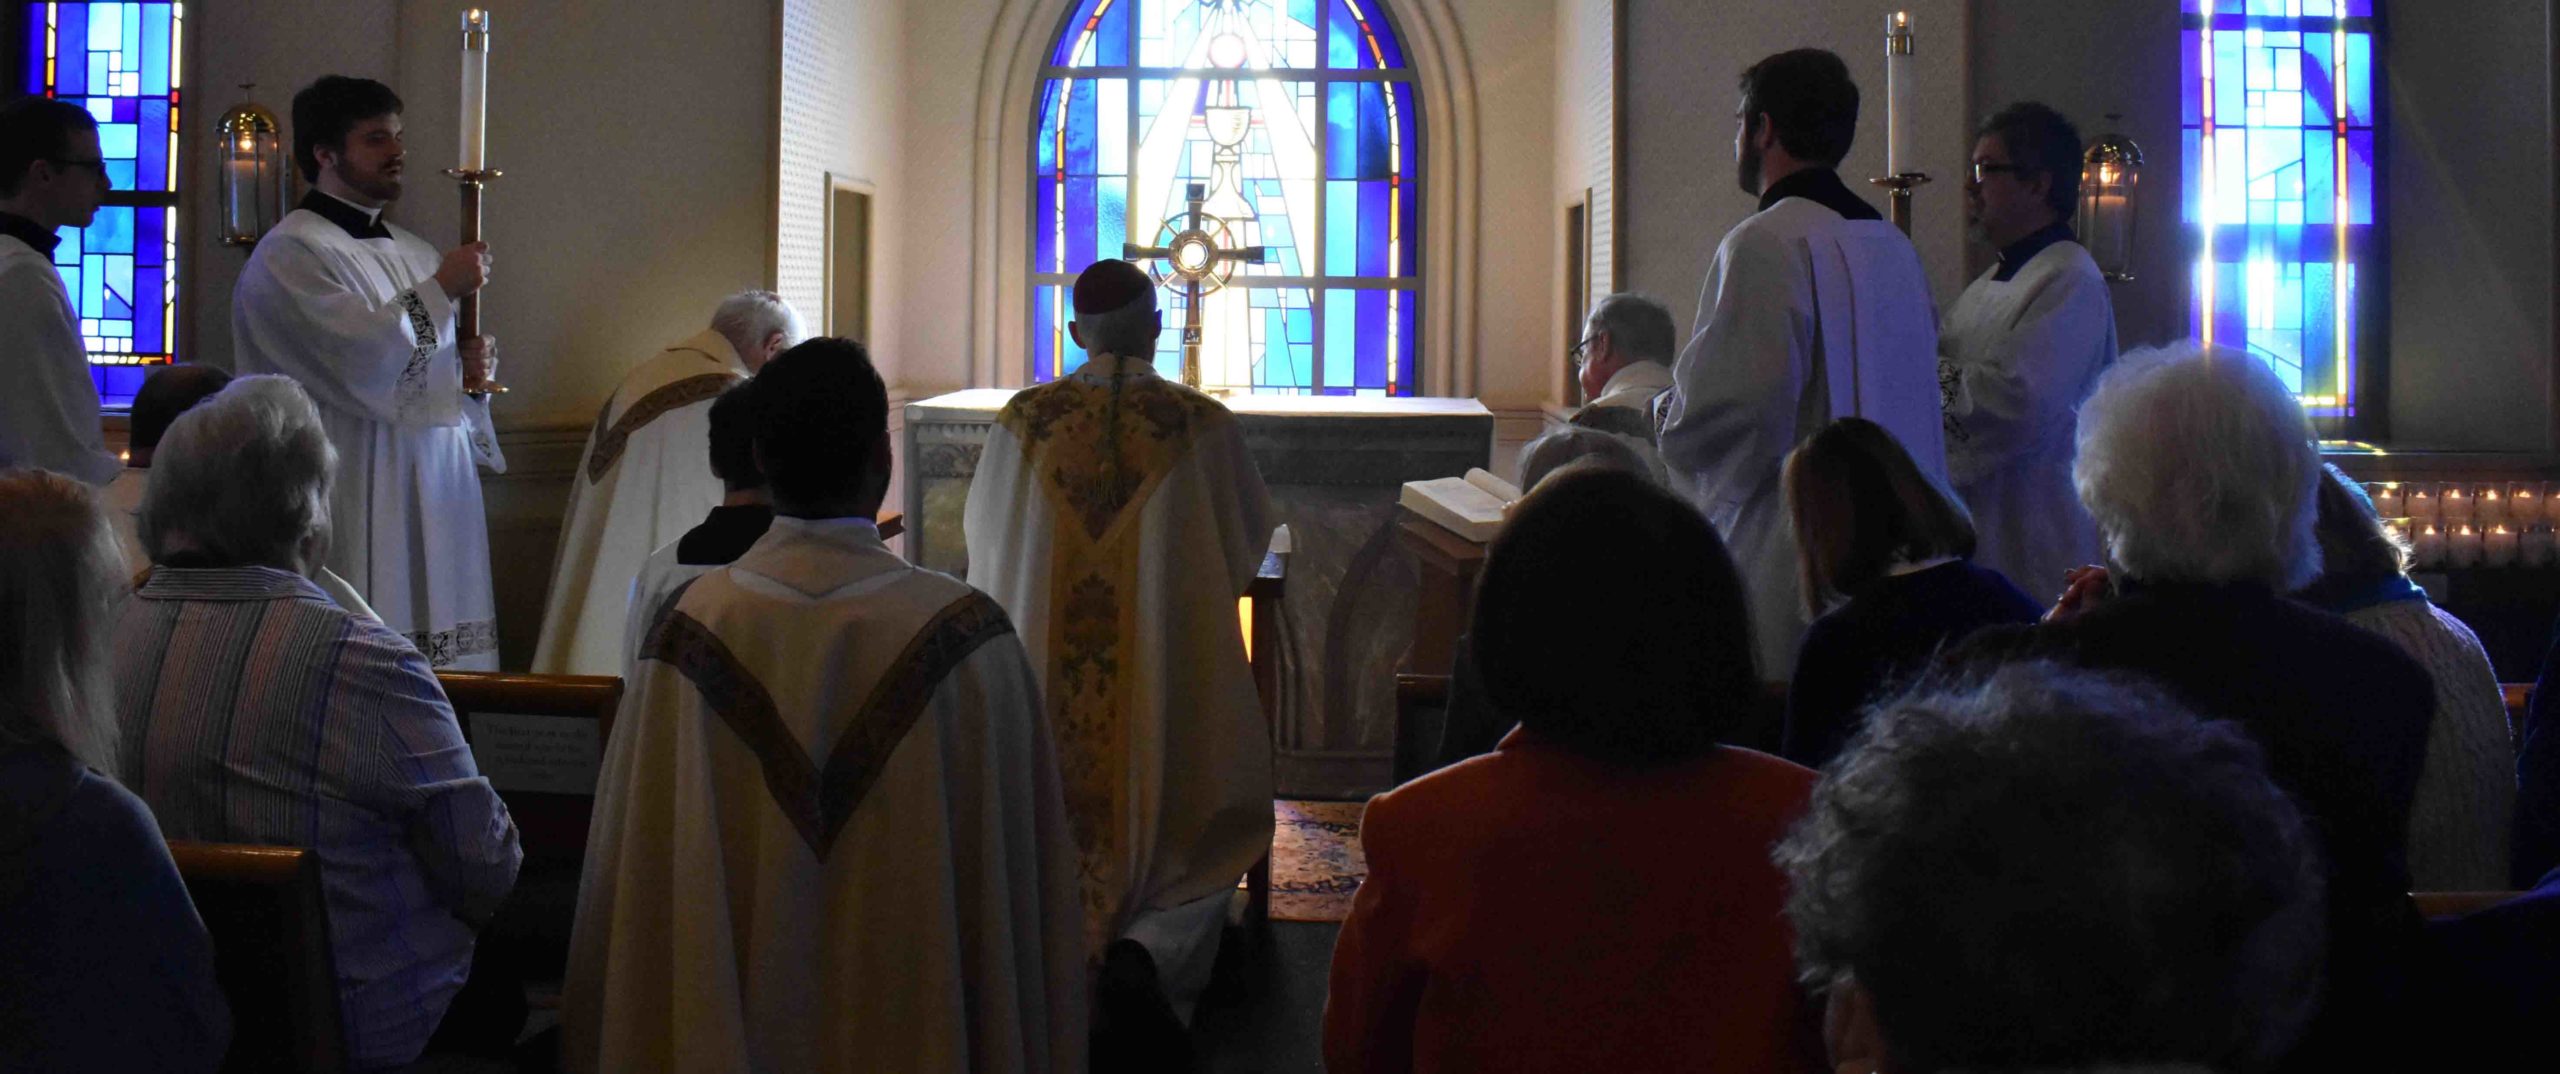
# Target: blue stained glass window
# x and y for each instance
(2279, 122)
(119, 61)
(1297, 121)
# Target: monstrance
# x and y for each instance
(1197, 256)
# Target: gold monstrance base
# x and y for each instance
(466, 313)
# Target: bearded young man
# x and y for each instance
(362, 314)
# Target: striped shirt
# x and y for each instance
(254, 710)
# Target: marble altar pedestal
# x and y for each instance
(1334, 466)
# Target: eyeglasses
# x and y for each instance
(1579, 352)
(1983, 172)
(96, 167)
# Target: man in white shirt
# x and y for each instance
(1814, 309)
(2021, 349)
(51, 177)
(361, 313)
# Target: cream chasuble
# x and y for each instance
(360, 322)
(2019, 357)
(829, 833)
(1806, 316)
(644, 480)
(1118, 518)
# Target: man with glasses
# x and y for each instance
(2021, 349)
(51, 177)
(1624, 365)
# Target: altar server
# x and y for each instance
(1118, 518)
(2020, 351)
(829, 833)
(361, 313)
(51, 178)
(646, 478)
(1814, 309)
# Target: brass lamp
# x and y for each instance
(2108, 172)
(257, 180)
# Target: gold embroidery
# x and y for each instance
(651, 407)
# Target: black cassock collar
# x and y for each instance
(1823, 187)
(29, 232)
(354, 221)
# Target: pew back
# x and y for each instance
(270, 929)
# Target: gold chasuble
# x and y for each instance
(1117, 517)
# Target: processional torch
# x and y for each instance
(474, 173)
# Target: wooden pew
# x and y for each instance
(540, 740)
(270, 929)
(2435, 904)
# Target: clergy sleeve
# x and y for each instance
(297, 312)
(1376, 990)
(1737, 386)
(2011, 401)
(1241, 504)
(422, 771)
(49, 412)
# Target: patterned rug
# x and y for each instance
(1316, 863)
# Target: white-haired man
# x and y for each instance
(2200, 470)
(1117, 517)
(646, 478)
(1624, 366)
(255, 710)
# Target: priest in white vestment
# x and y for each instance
(1814, 309)
(1624, 366)
(1118, 518)
(2021, 349)
(645, 478)
(829, 832)
(724, 535)
(53, 179)
(361, 313)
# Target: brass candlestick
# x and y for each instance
(466, 311)
(1897, 204)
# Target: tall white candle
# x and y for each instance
(475, 90)
(1899, 94)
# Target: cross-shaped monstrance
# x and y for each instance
(1196, 254)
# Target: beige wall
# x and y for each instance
(1683, 57)
(1586, 161)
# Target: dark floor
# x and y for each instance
(1264, 1010)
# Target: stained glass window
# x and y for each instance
(1298, 121)
(2280, 142)
(120, 61)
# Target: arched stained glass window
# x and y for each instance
(2280, 143)
(1297, 121)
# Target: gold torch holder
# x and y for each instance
(1897, 204)
(466, 312)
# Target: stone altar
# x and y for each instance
(1334, 465)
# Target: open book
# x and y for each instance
(1472, 507)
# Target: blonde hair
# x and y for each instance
(59, 576)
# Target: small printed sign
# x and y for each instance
(536, 754)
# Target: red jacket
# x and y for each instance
(1535, 910)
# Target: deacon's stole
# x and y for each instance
(1098, 451)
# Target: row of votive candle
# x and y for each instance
(2516, 504)
(2435, 546)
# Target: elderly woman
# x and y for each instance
(103, 963)
(1885, 558)
(2200, 468)
(2465, 807)
(255, 710)
(2054, 870)
(1597, 893)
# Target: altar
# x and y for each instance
(1334, 465)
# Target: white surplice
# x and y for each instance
(1806, 316)
(1121, 562)
(2019, 357)
(361, 323)
(122, 499)
(828, 833)
(644, 480)
(49, 410)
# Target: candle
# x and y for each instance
(2489, 506)
(2420, 502)
(1899, 94)
(2454, 505)
(2498, 547)
(2524, 504)
(2426, 550)
(242, 212)
(2387, 500)
(2534, 548)
(475, 90)
(2462, 549)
